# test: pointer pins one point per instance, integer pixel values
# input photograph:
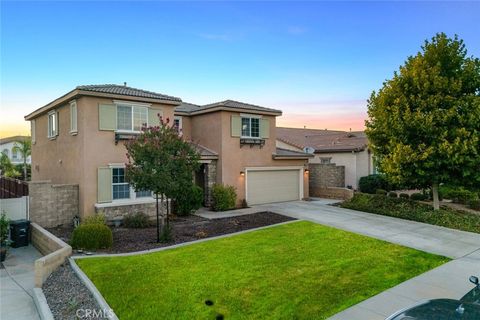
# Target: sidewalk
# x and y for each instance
(15, 302)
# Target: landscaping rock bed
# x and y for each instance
(184, 229)
(66, 294)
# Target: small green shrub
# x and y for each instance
(418, 196)
(92, 237)
(392, 194)
(4, 225)
(404, 195)
(474, 204)
(458, 195)
(189, 201)
(224, 197)
(381, 191)
(98, 218)
(371, 183)
(136, 220)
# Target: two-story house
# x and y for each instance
(7, 147)
(78, 139)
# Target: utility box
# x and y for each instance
(19, 233)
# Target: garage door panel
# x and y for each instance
(269, 186)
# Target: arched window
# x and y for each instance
(14, 154)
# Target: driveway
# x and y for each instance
(447, 281)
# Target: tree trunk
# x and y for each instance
(436, 202)
(25, 169)
(158, 219)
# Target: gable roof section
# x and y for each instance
(107, 90)
(281, 153)
(226, 105)
(323, 141)
(13, 139)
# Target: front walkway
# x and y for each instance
(17, 283)
(447, 281)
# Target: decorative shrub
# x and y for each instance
(404, 195)
(381, 191)
(136, 220)
(474, 204)
(412, 210)
(458, 195)
(224, 197)
(418, 196)
(92, 237)
(392, 194)
(97, 218)
(373, 182)
(189, 201)
(4, 224)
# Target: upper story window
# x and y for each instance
(32, 131)
(250, 127)
(73, 117)
(131, 118)
(52, 124)
(14, 154)
(325, 160)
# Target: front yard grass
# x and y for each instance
(298, 270)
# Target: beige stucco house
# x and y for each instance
(347, 149)
(78, 139)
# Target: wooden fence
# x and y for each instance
(12, 188)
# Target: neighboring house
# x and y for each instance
(7, 147)
(78, 139)
(348, 149)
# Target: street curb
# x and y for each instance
(109, 255)
(91, 287)
(42, 305)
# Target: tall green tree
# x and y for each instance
(161, 161)
(424, 123)
(24, 147)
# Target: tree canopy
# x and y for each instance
(424, 123)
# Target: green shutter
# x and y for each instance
(264, 128)
(104, 185)
(236, 126)
(107, 117)
(153, 119)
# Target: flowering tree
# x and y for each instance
(161, 161)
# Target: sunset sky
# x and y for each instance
(317, 61)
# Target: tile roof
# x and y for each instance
(204, 151)
(126, 91)
(231, 104)
(13, 139)
(323, 140)
(280, 152)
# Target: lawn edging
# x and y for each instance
(104, 306)
(103, 255)
(41, 304)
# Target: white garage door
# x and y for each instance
(269, 186)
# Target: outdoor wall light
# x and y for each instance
(242, 173)
(307, 171)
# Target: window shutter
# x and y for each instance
(236, 126)
(153, 119)
(107, 117)
(32, 128)
(264, 128)
(104, 185)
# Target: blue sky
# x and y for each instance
(318, 61)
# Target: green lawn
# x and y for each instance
(299, 270)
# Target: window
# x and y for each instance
(177, 124)
(5, 152)
(121, 188)
(250, 127)
(131, 118)
(14, 154)
(325, 160)
(52, 124)
(73, 117)
(32, 130)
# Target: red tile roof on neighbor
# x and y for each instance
(323, 141)
(13, 139)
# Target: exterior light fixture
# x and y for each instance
(242, 173)
(307, 171)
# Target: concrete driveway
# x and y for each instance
(447, 281)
